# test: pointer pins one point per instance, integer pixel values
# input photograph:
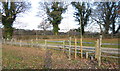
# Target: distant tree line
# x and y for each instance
(105, 14)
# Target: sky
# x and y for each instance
(30, 20)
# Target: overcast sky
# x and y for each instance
(29, 20)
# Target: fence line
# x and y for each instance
(71, 48)
(87, 42)
(105, 50)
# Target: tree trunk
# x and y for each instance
(106, 30)
(106, 26)
(8, 30)
(55, 29)
(83, 31)
(8, 33)
(118, 30)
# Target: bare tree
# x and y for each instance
(10, 11)
(44, 25)
(54, 11)
(82, 14)
(105, 14)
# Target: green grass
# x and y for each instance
(114, 41)
(18, 59)
(110, 46)
(11, 59)
(84, 44)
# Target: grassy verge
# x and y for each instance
(15, 57)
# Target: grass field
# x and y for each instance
(113, 41)
(15, 57)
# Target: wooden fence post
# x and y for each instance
(11, 41)
(75, 48)
(100, 43)
(64, 46)
(70, 48)
(81, 48)
(99, 58)
(20, 44)
(97, 49)
(4, 41)
(45, 44)
(15, 41)
(36, 41)
(31, 43)
(86, 54)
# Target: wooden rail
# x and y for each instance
(97, 50)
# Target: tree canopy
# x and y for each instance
(106, 14)
(10, 10)
(82, 14)
(54, 12)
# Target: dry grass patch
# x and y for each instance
(15, 57)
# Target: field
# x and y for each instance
(28, 57)
(93, 40)
(15, 57)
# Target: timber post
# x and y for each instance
(69, 49)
